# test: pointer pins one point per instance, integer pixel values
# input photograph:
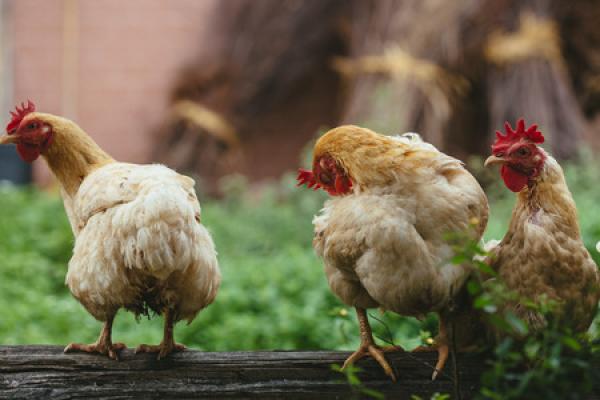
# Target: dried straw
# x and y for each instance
(528, 79)
(536, 38)
(438, 85)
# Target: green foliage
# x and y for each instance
(435, 396)
(552, 364)
(358, 388)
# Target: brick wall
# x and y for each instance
(107, 64)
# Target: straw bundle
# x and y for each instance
(264, 79)
(454, 71)
(528, 78)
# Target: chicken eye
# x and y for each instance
(523, 151)
(32, 125)
(325, 178)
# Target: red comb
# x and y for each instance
(306, 177)
(18, 115)
(513, 136)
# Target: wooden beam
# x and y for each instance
(44, 372)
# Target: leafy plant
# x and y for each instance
(358, 388)
(548, 363)
(435, 396)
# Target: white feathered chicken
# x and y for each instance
(139, 241)
(383, 237)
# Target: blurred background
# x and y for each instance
(233, 92)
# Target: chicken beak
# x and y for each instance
(491, 160)
(8, 139)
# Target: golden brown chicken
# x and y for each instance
(542, 253)
(383, 235)
(139, 241)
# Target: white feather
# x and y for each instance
(134, 223)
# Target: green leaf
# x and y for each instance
(372, 393)
(519, 326)
(572, 343)
(486, 269)
(473, 287)
(532, 349)
(482, 301)
(458, 259)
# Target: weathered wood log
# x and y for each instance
(44, 372)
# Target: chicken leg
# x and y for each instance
(441, 346)
(168, 345)
(103, 345)
(368, 346)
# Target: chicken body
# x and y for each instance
(543, 254)
(139, 242)
(387, 248)
(385, 243)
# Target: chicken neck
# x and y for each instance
(73, 155)
(549, 195)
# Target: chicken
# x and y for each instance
(383, 234)
(542, 253)
(139, 242)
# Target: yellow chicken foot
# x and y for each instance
(103, 345)
(442, 348)
(368, 346)
(168, 345)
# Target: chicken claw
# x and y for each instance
(108, 349)
(368, 346)
(103, 345)
(168, 345)
(163, 349)
(441, 346)
(443, 352)
(377, 353)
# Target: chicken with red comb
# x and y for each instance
(139, 241)
(542, 254)
(383, 234)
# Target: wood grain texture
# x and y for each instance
(44, 372)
